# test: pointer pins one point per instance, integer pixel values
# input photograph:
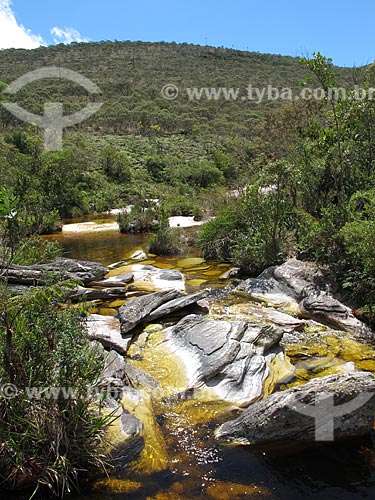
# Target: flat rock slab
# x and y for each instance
(106, 330)
(151, 278)
(153, 306)
(136, 310)
(35, 275)
(232, 358)
(110, 293)
(115, 281)
(177, 304)
(281, 418)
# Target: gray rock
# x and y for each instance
(106, 329)
(177, 304)
(36, 275)
(275, 419)
(115, 281)
(170, 275)
(325, 309)
(81, 293)
(302, 286)
(233, 358)
(231, 273)
(114, 365)
(136, 310)
(133, 443)
(140, 378)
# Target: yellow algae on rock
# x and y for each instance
(212, 273)
(117, 303)
(159, 361)
(190, 262)
(167, 495)
(104, 311)
(116, 486)
(281, 370)
(119, 270)
(195, 282)
(367, 365)
(220, 490)
(154, 454)
(198, 269)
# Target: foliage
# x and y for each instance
(253, 231)
(166, 241)
(138, 220)
(47, 439)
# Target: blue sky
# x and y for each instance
(343, 30)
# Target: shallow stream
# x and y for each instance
(182, 460)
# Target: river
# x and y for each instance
(197, 467)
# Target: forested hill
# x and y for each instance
(132, 75)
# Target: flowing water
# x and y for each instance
(182, 460)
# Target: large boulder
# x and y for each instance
(148, 308)
(135, 311)
(239, 360)
(304, 289)
(335, 407)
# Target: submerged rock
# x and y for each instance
(284, 417)
(150, 278)
(232, 358)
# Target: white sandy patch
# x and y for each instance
(180, 221)
(90, 227)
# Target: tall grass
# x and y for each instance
(47, 442)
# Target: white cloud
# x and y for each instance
(12, 34)
(67, 35)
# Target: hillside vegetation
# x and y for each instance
(139, 145)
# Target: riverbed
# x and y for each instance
(194, 466)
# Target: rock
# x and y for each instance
(135, 311)
(231, 273)
(81, 293)
(276, 419)
(129, 442)
(267, 315)
(178, 304)
(190, 262)
(35, 275)
(106, 329)
(117, 264)
(302, 287)
(232, 358)
(115, 281)
(327, 310)
(151, 278)
(148, 308)
(114, 365)
(77, 269)
(138, 255)
(140, 378)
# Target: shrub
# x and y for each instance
(138, 220)
(167, 240)
(46, 441)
